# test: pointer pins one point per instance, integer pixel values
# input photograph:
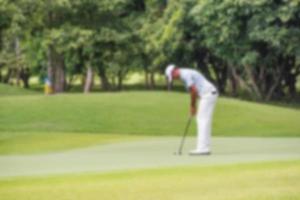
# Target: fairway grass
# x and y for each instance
(31, 143)
(13, 90)
(76, 146)
(140, 113)
(260, 181)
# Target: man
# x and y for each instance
(198, 86)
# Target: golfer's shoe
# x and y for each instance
(199, 153)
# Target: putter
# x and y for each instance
(179, 152)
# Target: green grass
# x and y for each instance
(29, 143)
(10, 90)
(32, 123)
(262, 181)
(140, 113)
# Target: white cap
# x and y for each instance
(168, 72)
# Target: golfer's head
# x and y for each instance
(171, 74)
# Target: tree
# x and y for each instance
(256, 39)
(11, 57)
(250, 45)
(152, 57)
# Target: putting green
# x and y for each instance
(149, 153)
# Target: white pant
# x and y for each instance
(206, 106)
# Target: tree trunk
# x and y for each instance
(291, 75)
(18, 60)
(238, 81)
(50, 68)
(89, 80)
(25, 75)
(271, 91)
(262, 79)
(223, 78)
(276, 78)
(234, 82)
(56, 70)
(103, 78)
(59, 84)
(152, 80)
(147, 82)
(120, 80)
(253, 82)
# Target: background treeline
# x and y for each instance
(245, 47)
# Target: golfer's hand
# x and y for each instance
(193, 111)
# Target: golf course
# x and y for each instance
(121, 146)
(149, 100)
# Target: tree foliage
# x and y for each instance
(242, 46)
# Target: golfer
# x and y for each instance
(198, 87)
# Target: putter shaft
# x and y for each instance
(184, 135)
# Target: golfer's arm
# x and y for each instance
(194, 95)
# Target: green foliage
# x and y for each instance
(259, 33)
(250, 41)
